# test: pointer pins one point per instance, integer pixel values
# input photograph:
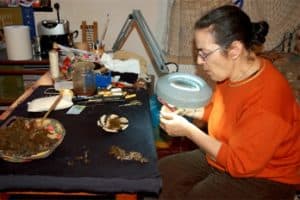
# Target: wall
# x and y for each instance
(77, 11)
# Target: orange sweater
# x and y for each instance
(258, 123)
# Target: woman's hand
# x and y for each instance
(165, 109)
(195, 113)
(174, 124)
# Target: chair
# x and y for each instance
(89, 33)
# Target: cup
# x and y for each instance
(83, 78)
(103, 80)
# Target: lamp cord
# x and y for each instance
(172, 63)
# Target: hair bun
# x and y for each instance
(259, 32)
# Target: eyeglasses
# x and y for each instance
(204, 56)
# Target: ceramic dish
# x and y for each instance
(112, 123)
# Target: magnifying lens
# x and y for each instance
(183, 90)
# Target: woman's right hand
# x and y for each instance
(195, 113)
(175, 125)
(165, 109)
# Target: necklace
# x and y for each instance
(249, 77)
(246, 74)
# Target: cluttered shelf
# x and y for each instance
(36, 60)
(17, 75)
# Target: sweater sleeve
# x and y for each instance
(207, 111)
(255, 138)
(208, 108)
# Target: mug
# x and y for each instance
(73, 35)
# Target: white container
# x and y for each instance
(18, 43)
(54, 66)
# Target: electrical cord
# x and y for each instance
(172, 63)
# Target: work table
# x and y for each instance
(102, 172)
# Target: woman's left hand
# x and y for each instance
(174, 124)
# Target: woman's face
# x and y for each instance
(211, 56)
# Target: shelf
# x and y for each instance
(23, 72)
(36, 60)
(45, 9)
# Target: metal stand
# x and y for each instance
(136, 19)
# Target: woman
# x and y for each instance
(253, 147)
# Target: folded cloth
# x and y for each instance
(122, 66)
(44, 103)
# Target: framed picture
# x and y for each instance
(9, 3)
(38, 5)
(41, 5)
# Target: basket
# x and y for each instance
(53, 126)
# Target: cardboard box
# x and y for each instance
(10, 16)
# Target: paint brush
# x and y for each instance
(105, 29)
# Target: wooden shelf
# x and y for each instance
(17, 75)
(43, 9)
(23, 71)
(36, 60)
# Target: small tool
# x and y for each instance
(52, 107)
(132, 103)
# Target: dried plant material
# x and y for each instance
(121, 154)
(132, 103)
(82, 158)
(113, 123)
(27, 139)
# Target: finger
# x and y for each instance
(164, 103)
(167, 115)
(179, 111)
(164, 121)
(162, 126)
(165, 109)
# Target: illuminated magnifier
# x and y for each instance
(183, 90)
(179, 89)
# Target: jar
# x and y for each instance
(83, 78)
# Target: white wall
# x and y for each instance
(77, 11)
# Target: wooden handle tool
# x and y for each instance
(53, 106)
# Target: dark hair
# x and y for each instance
(230, 23)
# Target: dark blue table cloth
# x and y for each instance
(63, 171)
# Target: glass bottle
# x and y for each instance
(83, 78)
